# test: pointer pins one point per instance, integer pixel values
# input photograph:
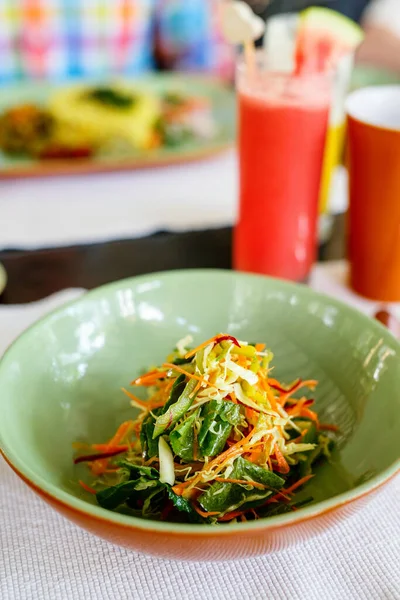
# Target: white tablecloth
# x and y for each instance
(61, 211)
(45, 557)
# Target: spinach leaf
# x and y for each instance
(136, 471)
(225, 497)
(154, 502)
(138, 492)
(184, 506)
(182, 439)
(176, 391)
(216, 438)
(115, 495)
(148, 444)
(219, 416)
(248, 470)
(176, 410)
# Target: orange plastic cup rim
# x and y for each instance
(376, 106)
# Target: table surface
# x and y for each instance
(35, 274)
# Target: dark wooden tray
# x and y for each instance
(32, 275)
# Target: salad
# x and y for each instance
(217, 440)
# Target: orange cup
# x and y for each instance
(373, 116)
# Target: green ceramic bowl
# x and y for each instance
(60, 382)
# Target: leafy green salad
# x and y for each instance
(217, 440)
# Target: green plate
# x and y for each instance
(223, 105)
(60, 382)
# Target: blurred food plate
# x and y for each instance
(94, 126)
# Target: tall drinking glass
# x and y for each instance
(283, 120)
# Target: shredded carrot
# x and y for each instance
(135, 399)
(241, 361)
(251, 415)
(255, 456)
(298, 406)
(266, 387)
(121, 432)
(232, 515)
(282, 464)
(286, 393)
(87, 487)
(306, 412)
(328, 427)
(149, 405)
(284, 390)
(98, 466)
(196, 389)
(310, 383)
(149, 378)
(201, 346)
(180, 370)
(259, 347)
(203, 513)
(108, 448)
(298, 483)
(242, 482)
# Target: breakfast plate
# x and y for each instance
(124, 124)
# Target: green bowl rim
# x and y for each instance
(97, 512)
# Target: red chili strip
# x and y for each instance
(294, 401)
(283, 390)
(90, 457)
(223, 338)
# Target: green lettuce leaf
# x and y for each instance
(136, 471)
(114, 496)
(182, 439)
(148, 444)
(175, 410)
(176, 391)
(225, 497)
(184, 506)
(219, 416)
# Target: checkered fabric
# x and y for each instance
(60, 39)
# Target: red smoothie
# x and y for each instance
(282, 131)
